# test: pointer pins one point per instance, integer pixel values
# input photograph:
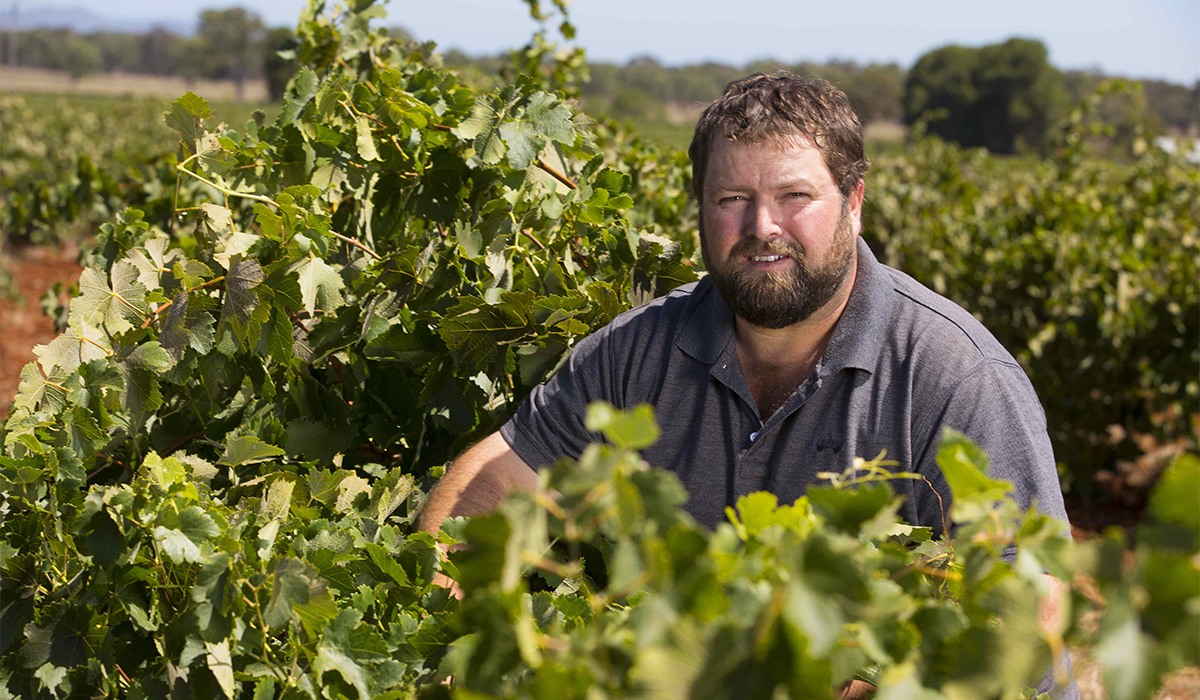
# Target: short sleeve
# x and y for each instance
(549, 423)
(995, 405)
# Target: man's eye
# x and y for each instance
(798, 194)
(731, 198)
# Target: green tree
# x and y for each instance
(875, 91)
(279, 63)
(236, 36)
(192, 58)
(118, 51)
(77, 56)
(157, 50)
(999, 96)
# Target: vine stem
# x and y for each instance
(167, 304)
(540, 163)
(266, 200)
(225, 190)
(557, 175)
(183, 442)
(122, 672)
(268, 657)
(357, 243)
(531, 237)
(107, 352)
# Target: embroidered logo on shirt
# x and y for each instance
(831, 442)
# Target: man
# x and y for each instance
(798, 351)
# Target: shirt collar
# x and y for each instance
(710, 330)
(857, 337)
(859, 333)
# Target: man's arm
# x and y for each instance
(477, 482)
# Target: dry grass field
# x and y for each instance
(115, 84)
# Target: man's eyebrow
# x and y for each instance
(799, 183)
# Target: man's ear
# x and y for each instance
(854, 206)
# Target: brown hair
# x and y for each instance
(761, 107)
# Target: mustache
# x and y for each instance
(757, 246)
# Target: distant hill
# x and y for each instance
(84, 21)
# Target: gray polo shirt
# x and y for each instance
(902, 363)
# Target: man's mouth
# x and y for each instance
(767, 258)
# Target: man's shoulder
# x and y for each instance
(662, 315)
(923, 319)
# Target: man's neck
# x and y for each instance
(775, 361)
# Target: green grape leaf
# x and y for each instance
(153, 260)
(114, 308)
(78, 345)
(217, 220)
(240, 299)
(177, 546)
(323, 485)
(187, 116)
(300, 92)
(38, 390)
(386, 562)
(220, 662)
(197, 525)
(104, 541)
(140, 369)
(233, 244)
(270, 223)
(483, 563)
(848, 509)
(1176, 497)
(293, 583)
(475, 330)
(1129, 671)
(278, 501)
(364, 141)
(182, 330)
(543, 119)
(82, 431)
(247, 449)
(213, 155)
(816, 615)
(319, 440)
(759, 510)
(625, 565)
(482, 128)
(320, 285)
(965, 466)
(67, 639)
(190, 273)
(634, 430)
(164, 472)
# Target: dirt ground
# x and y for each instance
(23, 325)
(59, 82)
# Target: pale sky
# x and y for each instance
(1146, 39)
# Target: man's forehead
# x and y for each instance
(779, 136)
(801, 162)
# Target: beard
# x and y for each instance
(776, 299)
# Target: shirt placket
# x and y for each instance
(727, 371)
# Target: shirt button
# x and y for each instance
(753, 437)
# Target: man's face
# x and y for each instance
(777, 236)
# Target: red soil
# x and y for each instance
(22, 324)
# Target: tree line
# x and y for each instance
(1004, 97)
(232, 44)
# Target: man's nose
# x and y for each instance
(762, 221)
